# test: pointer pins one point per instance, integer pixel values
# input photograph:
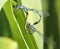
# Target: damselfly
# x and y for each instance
(30, 27)
(39, 12)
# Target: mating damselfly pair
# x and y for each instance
(36, 11)
(30, 27)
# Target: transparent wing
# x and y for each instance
(46, 39)
(39, 12)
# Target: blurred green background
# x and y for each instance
(12, 32)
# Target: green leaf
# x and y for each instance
(12, 24)
(16, 32)
(28, 37)
(4, 25)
